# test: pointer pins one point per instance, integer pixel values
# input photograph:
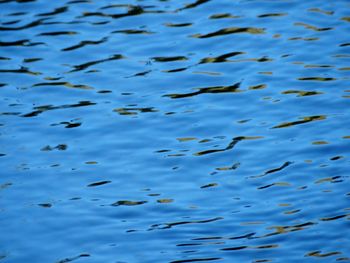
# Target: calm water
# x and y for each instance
(174, 131)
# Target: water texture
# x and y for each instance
(174, 131)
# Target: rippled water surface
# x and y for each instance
(174, 131)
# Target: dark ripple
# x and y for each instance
(85, 43)
(65, 84)
(218, 89)
(56, 11)
(221, 58)
(40, 109)
(231, 30)
(73, 258)
(29, 25)
(304, 120)
(21, 70)
(195, 4)
(23, 42)
(91, 63)
(196, 260)
(170, 225)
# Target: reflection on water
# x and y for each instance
(174, 131)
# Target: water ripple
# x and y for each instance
(174, 131)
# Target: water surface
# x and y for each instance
(174, 131)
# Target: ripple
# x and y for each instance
(195, 260)
(231, 145)
(65, 84)
(98, 183)
(29, 25)
(73, 258)
(40, 109)
(221, 58)
(304, 120)
(231, 30)
(170, 225)
(85, 43)
(217, 89)
(58, 33)
(91, 63)
(169, 59)
(195, 4)
(128, 203)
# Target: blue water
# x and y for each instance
(174, 131)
